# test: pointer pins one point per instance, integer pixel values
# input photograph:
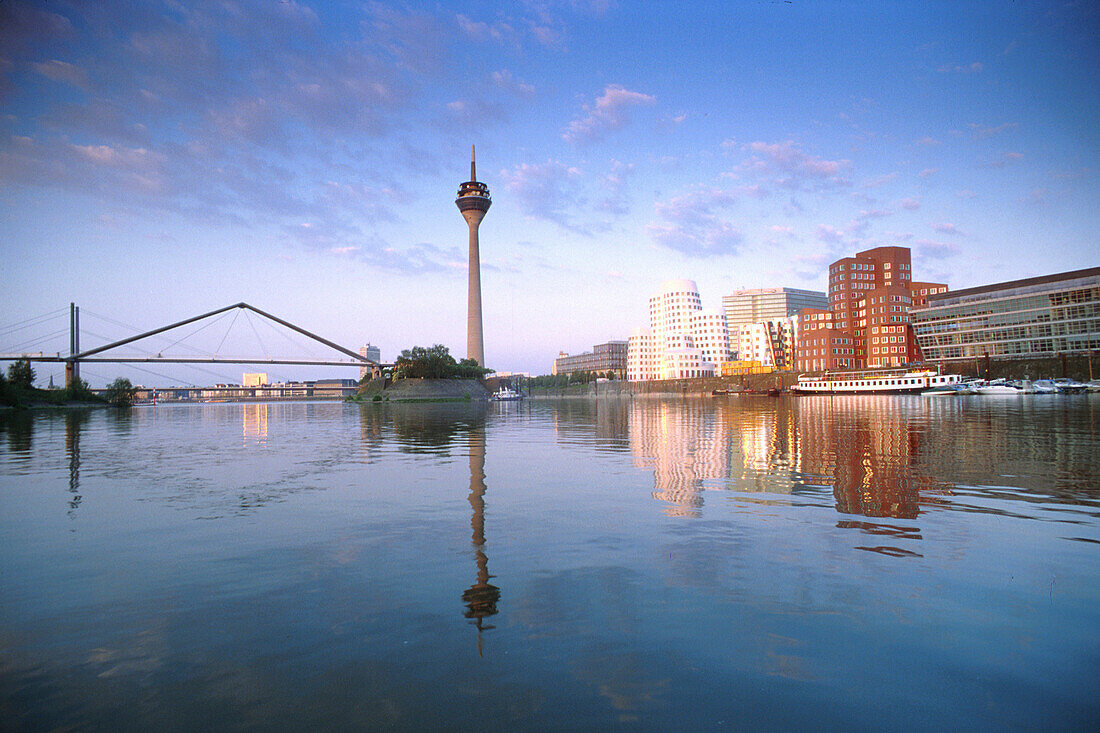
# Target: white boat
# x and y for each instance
(998, 387)
(874, 382)
(506, 394)
(1045, 386)
(1070, 386)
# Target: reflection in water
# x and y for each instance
(19, 425)
(865, 449)
(254, 418)
(480, 598)
(74, 420)
(434, 429)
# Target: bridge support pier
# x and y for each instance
(72, 366)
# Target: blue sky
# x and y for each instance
(162, 159)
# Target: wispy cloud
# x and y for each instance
(983, 132)
(693, 224)
(973, 68)
(507, 82)
(785, 164)
(879, 180)
(610, 111)
(547, 191)
(928, 141)
(1001, 161)
(933, 250)
(928, 172)
(910, 204)
(946, 227)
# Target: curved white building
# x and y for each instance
(682, 340)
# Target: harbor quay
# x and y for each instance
(1081, 367)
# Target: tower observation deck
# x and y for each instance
(473, 201)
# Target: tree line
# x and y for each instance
(17, 389)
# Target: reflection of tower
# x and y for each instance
(481, 598)
(73, 423)
(473, 201)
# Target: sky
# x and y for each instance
(163, 159)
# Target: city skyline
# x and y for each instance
(157, 162)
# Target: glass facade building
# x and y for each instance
(608, 357)
(1040, 316)
(766, 304)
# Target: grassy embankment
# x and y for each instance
(21, 397)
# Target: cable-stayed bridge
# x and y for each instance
(110, 352)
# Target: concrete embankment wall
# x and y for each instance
(1074, 367)
(1083, 367)
(667, 387)
(421, 389)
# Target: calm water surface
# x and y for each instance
(848, 562)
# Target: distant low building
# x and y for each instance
(255, 379)
(1038, 316)
(604, 358)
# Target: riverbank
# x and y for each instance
(421, 390)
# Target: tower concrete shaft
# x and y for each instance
(473, 201)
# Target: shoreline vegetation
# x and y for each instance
(17, 392)
(426, 375)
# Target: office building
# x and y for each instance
(758, 305)
(867, 320)
(369, 352)
(772, 342)
(604, 358)
(1039, 316)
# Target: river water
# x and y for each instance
(859, 562)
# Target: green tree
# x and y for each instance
(435, 362)
(120, 393)
(21, 374)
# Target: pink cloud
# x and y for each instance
(610, 112)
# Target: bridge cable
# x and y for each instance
(165, 376)
(222, 342)
(211, 323)
(263, 348)
(21, 347)
(26, 322)
(137, 329)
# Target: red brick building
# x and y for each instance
(867, 324)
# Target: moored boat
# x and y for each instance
(506, 394)
(874, 382)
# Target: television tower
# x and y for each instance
(473, 201)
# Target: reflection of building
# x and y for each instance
(369, 352)
(864, 448)
(682, 340)
(867, 447)
(867, 321)
(255, 421)
(684, 446)
(608, 357)
(1039, 316)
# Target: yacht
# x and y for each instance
(506, 394)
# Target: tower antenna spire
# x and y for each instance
(473, 171)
